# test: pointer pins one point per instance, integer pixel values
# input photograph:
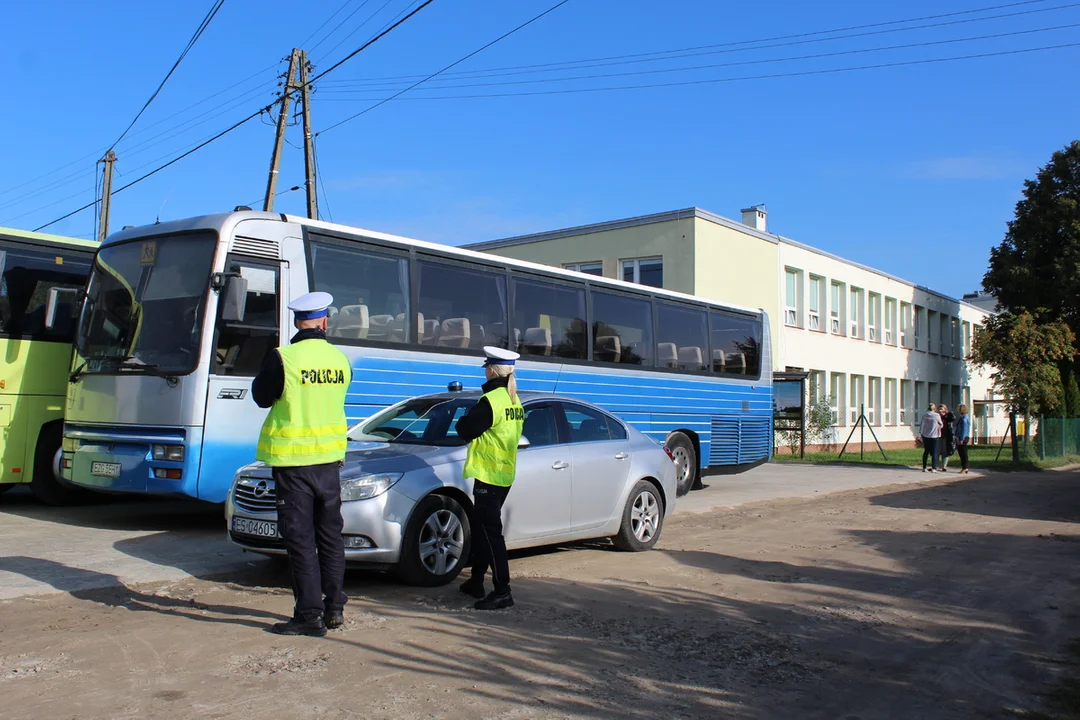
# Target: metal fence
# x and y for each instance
(1052, 438)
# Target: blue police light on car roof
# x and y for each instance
(454, 386)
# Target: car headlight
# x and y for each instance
(174, 453)
(367, 486)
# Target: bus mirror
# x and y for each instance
(53, 303)
(234, 299)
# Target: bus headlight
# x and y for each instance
(367, 486)
(172, 453)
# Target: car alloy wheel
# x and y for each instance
(442, 542)
(645, 516)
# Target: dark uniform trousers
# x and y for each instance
(309, 516)
(489, 547)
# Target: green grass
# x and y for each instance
(981, 458)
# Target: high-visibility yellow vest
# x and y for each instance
(306, 425)
(492, 457)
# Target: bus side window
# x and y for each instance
(241, 347)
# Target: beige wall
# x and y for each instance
(671, 240)
(738, 268)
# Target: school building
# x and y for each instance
(867, 338)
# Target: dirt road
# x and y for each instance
(946, 599)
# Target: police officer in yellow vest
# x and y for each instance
(304, 439)
(493, 427)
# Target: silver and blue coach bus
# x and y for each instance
(179, 316)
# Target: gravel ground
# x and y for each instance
(951, 598)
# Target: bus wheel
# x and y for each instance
(685, 462)
(45, 485)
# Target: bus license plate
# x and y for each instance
(259, 528)
(104, 469)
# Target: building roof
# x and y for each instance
(699, 213)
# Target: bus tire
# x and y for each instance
(686, 462)
(45, 486)
(435, 511)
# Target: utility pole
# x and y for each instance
(283, 120)
(309, 141)
(106, 194)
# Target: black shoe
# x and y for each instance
(296, 626)
(474, 587)
(495, 602)
(334, 619)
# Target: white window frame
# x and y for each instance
(873, 311)
(791, 299)
(889, 416)
(636, 264)
(581, 267)
(836, 310)
(856, 396)
(817, 292)
(837, 391)
(915, 324)
(854, 301)
(873, 391)
(906, 400)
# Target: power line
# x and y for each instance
(325, 23)
(759, 61)
(456, 62)
(238, 124)
(355, 30)
(191, 43)
(318, 173)
(678, 54)
(803, 73)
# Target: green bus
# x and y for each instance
(41, 285)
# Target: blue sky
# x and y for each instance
(912, 169)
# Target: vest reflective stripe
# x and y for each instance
(492, 457)
(307, 426)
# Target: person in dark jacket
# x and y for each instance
(946, 445)
(493, 429)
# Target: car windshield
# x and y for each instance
(420, 421)
(144, 305)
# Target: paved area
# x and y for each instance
(44, 550)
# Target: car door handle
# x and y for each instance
(560, 465)
(621, 456)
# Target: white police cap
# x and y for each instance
(499, 356)
(312, 306)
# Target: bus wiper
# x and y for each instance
(77, 372)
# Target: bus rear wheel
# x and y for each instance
(45, 485)
(686, 464)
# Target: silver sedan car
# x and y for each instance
(581, 473)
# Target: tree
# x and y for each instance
(1037, 265)
(1072, 394)
(1023, 354)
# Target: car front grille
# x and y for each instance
(255, 495)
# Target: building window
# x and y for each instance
(890, 401)
(921, 400)
(854, 316)
(817, 301)
(957, 338)
(836, 293)
(916, 318)
(873, 404)
(856, 399)
(644, 271)
(873, 320)
(837, 398)
(967, 340)
(817, 385)
(791, 297)
(905, 325)
(907, 402)
(589, 268)
(931, 320)
(890, 321)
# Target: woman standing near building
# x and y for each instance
(947, 445)
(963, 435)
(930, 429)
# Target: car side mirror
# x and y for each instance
(234, 299)
(54, 301)
(523, 443)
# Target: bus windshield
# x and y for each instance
(144, 305)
